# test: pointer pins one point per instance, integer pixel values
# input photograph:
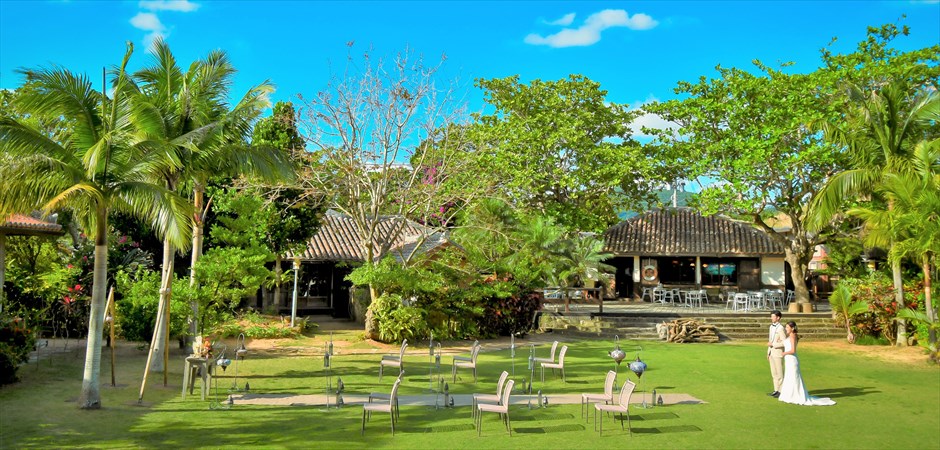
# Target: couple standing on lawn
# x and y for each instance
(785, 366)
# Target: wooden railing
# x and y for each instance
(566, 296)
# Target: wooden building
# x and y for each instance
(679, 247)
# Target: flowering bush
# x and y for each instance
(877, 290)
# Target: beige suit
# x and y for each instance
(775, 353)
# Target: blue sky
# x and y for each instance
(636, 50)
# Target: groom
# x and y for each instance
(775, 351)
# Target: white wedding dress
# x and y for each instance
(793, 390)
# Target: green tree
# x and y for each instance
(754, 135)
(96, 166)
(370, 131)
(910, 227)
(561, 149)
(185, 116)
(291, 216)
(880, 133)
(845, 307)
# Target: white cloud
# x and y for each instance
(149, 22)
(650, 120)
(590, 31)
(564, 21)
(169, 5)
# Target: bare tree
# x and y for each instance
(388, 144)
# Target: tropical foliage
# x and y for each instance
(94, 166)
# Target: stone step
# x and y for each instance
(748, 327)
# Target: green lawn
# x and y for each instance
(880, 404)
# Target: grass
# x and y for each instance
(880, 404)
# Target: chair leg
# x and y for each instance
(363, 432)
(563, 380)
(393, 423)
(629, 427)
(621, 421)
(543, 374)
(508, 423)
(474, 374)
(381, 369)
(454, 370)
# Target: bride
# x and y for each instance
(793, 390)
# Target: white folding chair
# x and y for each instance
(551, 357)
(606, 397)
(622, 407)
(392, 361)
(740, 302)
(391, 408)
(471, 364)
(560, 365)
(502, 409)
(489, 398)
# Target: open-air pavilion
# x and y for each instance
(681, 248)
(22, 225)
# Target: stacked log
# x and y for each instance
(689, 330)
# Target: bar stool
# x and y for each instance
(194, 363)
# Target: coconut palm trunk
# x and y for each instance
(928, 301)
(899, 297)
(162, 327)
(198, 230)
(90, 397)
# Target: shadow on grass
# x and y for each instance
(550, 429)
(667, 429)
(437, 429)
(541, 417)
(845, 392)
(654, 416)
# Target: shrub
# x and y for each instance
(506, 316)
(17, 340)
(877, 290)
(257, 326)
(137, 310)
(398, 321)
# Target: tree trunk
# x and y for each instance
(198, 228)
(277, 280)
(928, 303)
(162, 328)
(90, 397)
(899, 297)
(371, 325)
(798, 274)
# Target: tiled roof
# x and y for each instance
(19, 224)
(415, 246)
(337, 240)
(685, 232)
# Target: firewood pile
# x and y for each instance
(687, 330)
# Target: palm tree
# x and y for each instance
(880, 131)
(913, 224)
(186, 117)
(844, 308)
(581, 260)
(95, 166)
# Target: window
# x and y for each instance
(676, 270)
(721, 271)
